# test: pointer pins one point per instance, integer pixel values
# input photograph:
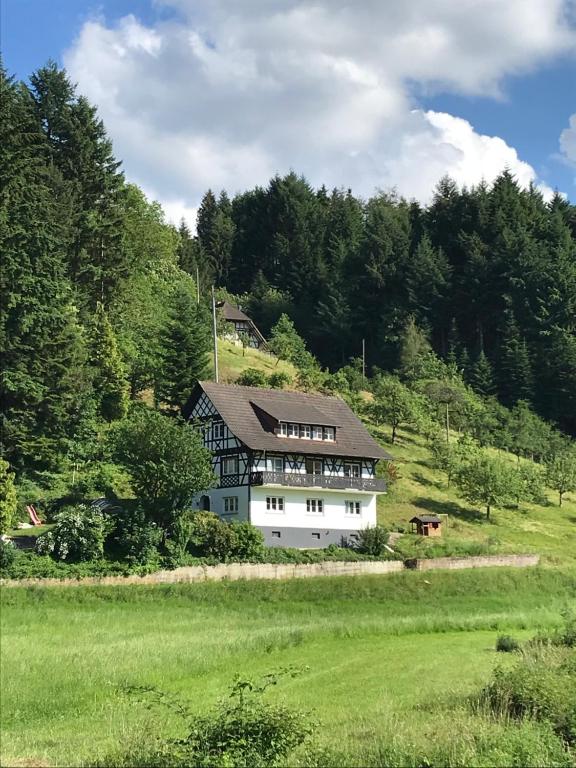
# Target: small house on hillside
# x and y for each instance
(300, 467)
(238, 324)
(427, 525)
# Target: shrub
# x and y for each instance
(243, 730)
(252, 377)
(211, 536)
(7, 554)
(507, 644)
(541, 686)
(372, 541)
(77, 536)
(133, 538)
(8, 498)
(278, 380)
(249, 542)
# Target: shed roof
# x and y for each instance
(425, 519)
(237, 404)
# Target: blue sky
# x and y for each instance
(281, 84)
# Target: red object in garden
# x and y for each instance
(33, 515)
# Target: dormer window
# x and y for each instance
(306, 431)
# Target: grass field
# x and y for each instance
(387, 657)
(232, 360)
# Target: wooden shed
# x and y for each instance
(426, 525)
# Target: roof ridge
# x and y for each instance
(270, 390)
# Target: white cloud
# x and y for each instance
(230, 93)
(568, 141)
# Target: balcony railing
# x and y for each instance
(296, 480)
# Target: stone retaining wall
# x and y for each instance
(248, 571)
(482, 561)
(229, 572)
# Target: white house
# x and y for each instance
(301, 467)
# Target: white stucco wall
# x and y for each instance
(217, 495)
(295, 514)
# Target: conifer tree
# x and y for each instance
(515, 369)
(45, 383)
(186, 342)
(481, 376)
(110, 385)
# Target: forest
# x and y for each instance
(100, 293)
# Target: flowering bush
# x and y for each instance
(77, 536)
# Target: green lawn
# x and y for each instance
(384, 654)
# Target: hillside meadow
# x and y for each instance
(386, 661)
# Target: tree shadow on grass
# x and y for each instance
(450, 508)
(419, 477)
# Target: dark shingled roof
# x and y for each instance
(232, 313)
(237, 404)
(425, 519)
(296, 411)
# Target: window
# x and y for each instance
(293, 430)
(329, 433)
(275, 504)
(305, 431)
(230, 465)
(276, 534)
(351, 470)
(353, 507)
(317, 433)
(277, 463)
(283, 429)
(230, 504)
(217, 431)
(317, 468)
(316, 536)
(314, 506)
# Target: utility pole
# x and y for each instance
(215, 337)
(364, 360)
(197, 286)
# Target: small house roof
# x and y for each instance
(239, 407)
(231, 312)
(425, 519)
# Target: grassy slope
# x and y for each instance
(548, 530)
(384, 655)
(231, 362)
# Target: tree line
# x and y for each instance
(488, 273)
(474, 294)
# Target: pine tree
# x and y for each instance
(186, 342)
(45, 383)
(515, 369)
(110, 385)
(80, 149)
(481, 376)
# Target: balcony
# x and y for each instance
(296, 480)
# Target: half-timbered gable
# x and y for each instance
(288, 462)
